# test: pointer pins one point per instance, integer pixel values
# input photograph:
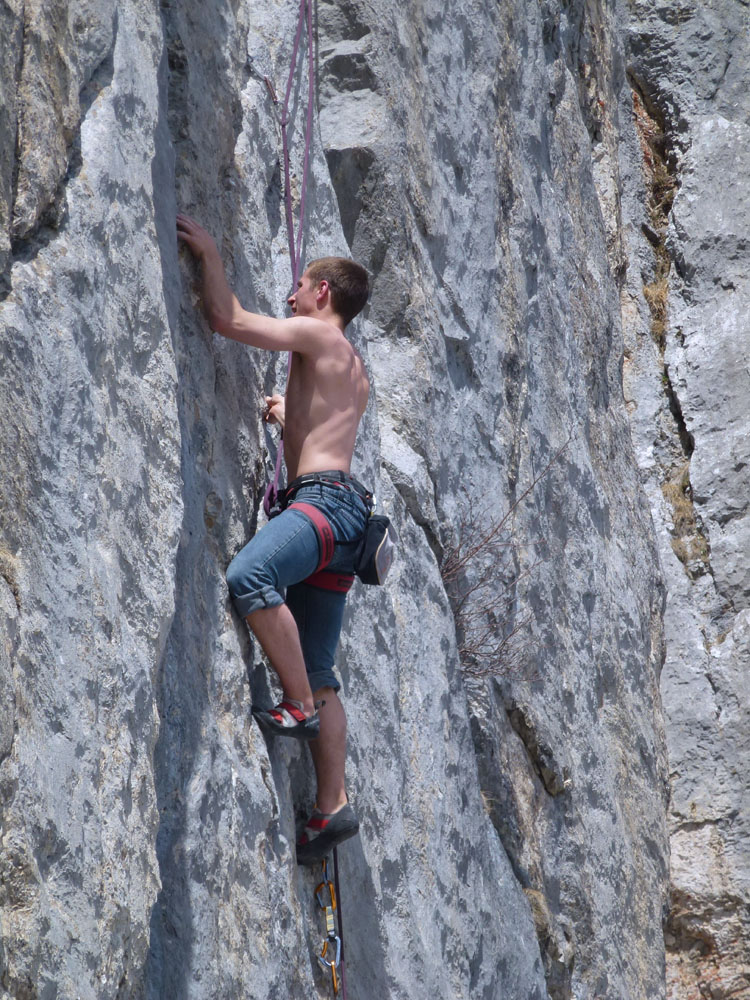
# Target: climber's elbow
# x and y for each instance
(220, 321)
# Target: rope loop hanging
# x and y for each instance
(295, 239)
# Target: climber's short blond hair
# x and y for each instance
(348, 283)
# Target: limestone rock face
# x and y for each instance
(507, 755)
(688, 64)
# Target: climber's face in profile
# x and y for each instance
(304, 301)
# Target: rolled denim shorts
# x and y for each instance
(284, 553)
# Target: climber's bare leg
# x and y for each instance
(329, 751)
(276, 631)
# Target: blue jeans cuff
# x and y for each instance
(323, 678)
(265, 598)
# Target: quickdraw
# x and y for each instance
(330, 956)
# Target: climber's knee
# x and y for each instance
(251, 585)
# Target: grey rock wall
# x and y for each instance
(689, 65)
(511, 339)
(484, 164)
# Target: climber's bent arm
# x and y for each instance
(226, 316)
(307, 336)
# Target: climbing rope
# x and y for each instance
(294, 235)
(295, 243)
(340, 916)
(326, 892)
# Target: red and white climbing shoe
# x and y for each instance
(323, 832)
(288, 719)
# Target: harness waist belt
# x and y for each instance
(331, 477)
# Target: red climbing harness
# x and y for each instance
(323, 528)
(330, 580)
(322, 578)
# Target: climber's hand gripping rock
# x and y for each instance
(275, 410)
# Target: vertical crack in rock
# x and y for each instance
(661, 181)
(16, 145)
(220, 829)
(596, 66)
(688, 68)
(166, 966)
(688, 537)
(15, 40)
(181, 699)
(11, 68)
(554, 776)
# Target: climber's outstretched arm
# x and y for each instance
(225, 315)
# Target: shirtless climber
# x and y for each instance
(326, 396)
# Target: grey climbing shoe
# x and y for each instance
(323, 832)
(288, 719)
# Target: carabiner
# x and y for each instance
(319, 895)
(332, 963)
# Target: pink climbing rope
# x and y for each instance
(295, 242)
(294, 237)
(295, 256)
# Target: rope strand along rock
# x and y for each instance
(294, 236)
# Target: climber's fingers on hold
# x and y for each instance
(195, 236)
